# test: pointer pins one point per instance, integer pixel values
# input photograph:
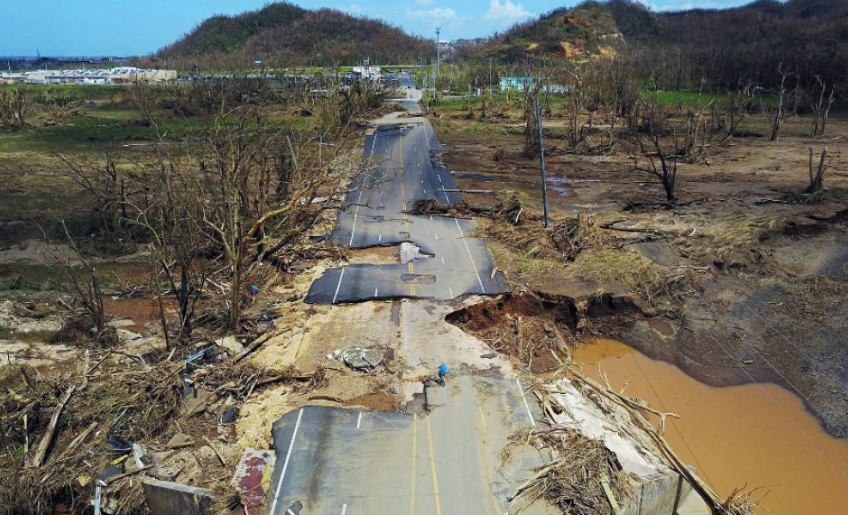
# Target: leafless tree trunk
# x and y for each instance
(814, 191)
(777, 111)
(653, 157)
(821, 108)
(727, 118)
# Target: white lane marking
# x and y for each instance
(355, 217)
(344, 509)
(440, 178)
(379, 238)
(443, 259)
(437, 236)
(338, 286)
(529, 413)
(451, 291)
(286, 463)
(359, 420)
(376, 290)
(467, 249)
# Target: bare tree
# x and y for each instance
(105, 184)
(779, 107)
(728, 116)
(813, 192)
(14, 107)
(654, 156)
(821, 107)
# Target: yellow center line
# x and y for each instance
(433, 468)
(414, 459)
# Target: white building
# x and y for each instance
(120, 75)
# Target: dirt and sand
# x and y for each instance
(744, 291)
(732, 266)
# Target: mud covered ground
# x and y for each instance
(733, 284)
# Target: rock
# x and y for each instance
(231, 344)
(361, 358)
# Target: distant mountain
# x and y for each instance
(283, 34)
(809, 37)
(568, 33)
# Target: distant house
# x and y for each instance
(518, 83)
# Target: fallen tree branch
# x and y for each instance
(109, 481)
(47, 439)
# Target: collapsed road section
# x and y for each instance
(376, 213)
(487, 440)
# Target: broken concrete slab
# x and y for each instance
(657, 487)
(361, 358)
(167, 498)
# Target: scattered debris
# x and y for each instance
(362, 359)
(167, 498)
(252, 481)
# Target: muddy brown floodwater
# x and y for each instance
(754, 435)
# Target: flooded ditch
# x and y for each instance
(759, 435)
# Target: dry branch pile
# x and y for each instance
(72, 423)
(576, 481)
(566, 239)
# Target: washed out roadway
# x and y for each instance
(403, 168)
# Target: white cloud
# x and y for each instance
(355, 9)
(506, 11)
(437, 13)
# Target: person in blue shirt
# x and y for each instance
(443, 371)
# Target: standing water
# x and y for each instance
(754, 435)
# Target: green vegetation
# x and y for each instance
(284, 34)
(5, 333)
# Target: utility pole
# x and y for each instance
(490, 74)
(542, 159)
(438, 52)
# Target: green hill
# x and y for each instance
(283, 34)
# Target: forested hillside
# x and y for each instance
(283, 34)
(808, 38)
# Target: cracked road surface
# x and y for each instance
(403, 167)
(332, 460)
(450, 459)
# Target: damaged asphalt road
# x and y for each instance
(332, 460)
(401, 172)
(448, 458)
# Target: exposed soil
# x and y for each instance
(733, 284)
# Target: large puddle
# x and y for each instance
(756, 434)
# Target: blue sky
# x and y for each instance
(132, 27)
